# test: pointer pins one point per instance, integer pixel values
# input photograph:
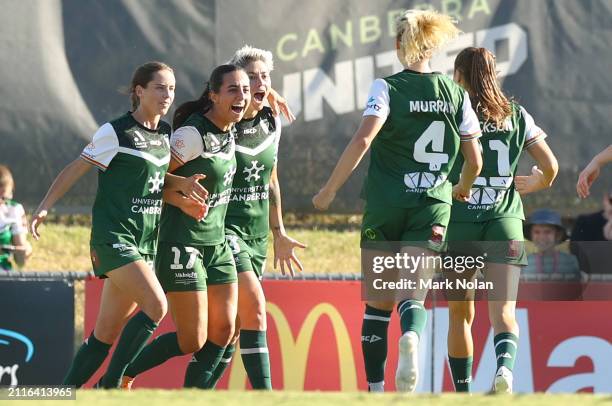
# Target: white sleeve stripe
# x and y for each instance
(540, 137)
(93, 162)
(176, 156)
(465, 139)
(470, 134)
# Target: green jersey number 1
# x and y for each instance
(434, 135)
(503, 156)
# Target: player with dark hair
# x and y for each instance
(491, 220)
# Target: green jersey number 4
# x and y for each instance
(434, 135)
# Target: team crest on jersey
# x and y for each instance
(253, 171)
(157, 182)
(229, 176)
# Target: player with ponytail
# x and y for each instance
(491, 220)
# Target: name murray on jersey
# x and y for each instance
(432, 106)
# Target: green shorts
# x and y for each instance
(250, 255)
(109, 256)
(501, 239)
(186, 268)
(422, 226)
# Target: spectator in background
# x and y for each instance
(591, 236)
(545, 230)
(595, 226)
(13, 229)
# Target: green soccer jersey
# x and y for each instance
(12, 223)
(426, 116)
(493, 194)
(202, 148)
(256, 149)
(133, 161)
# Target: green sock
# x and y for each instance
(134, 337)
(200, 370)
(255, 357)
(159, 351)
(413, 316)
(506, 346)
(461, 370)
(86, 361)
(223, 364)
(374, 343)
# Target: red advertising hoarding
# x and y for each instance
(314, 333)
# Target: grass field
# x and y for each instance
(184, 397)
(66, 248)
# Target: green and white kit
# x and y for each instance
(495, 210)
(132, 162)
(426, 116)
(247, 219)
(185, 243)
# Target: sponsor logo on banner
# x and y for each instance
(295, 349)
(15, 339)
(314, 343)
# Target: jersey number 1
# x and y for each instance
(434, 135)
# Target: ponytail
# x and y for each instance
(202, 104)
(476, 67)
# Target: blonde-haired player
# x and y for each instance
(415, 122)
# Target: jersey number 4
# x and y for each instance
(434, 135)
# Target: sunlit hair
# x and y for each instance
(6, 182)
(478, 74)
(421, 32)
(248, 54)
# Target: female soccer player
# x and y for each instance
(494, 214)
(416, 121)
(195, 264)
(13, 226)
(255, 206)
(131, 153)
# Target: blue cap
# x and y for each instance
(548, 217)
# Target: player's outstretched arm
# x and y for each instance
(284, 246)
(542, 175)
(62, 184)
(591, 172)
(352, 155)
(472, 165)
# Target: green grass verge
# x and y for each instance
(66, 248)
